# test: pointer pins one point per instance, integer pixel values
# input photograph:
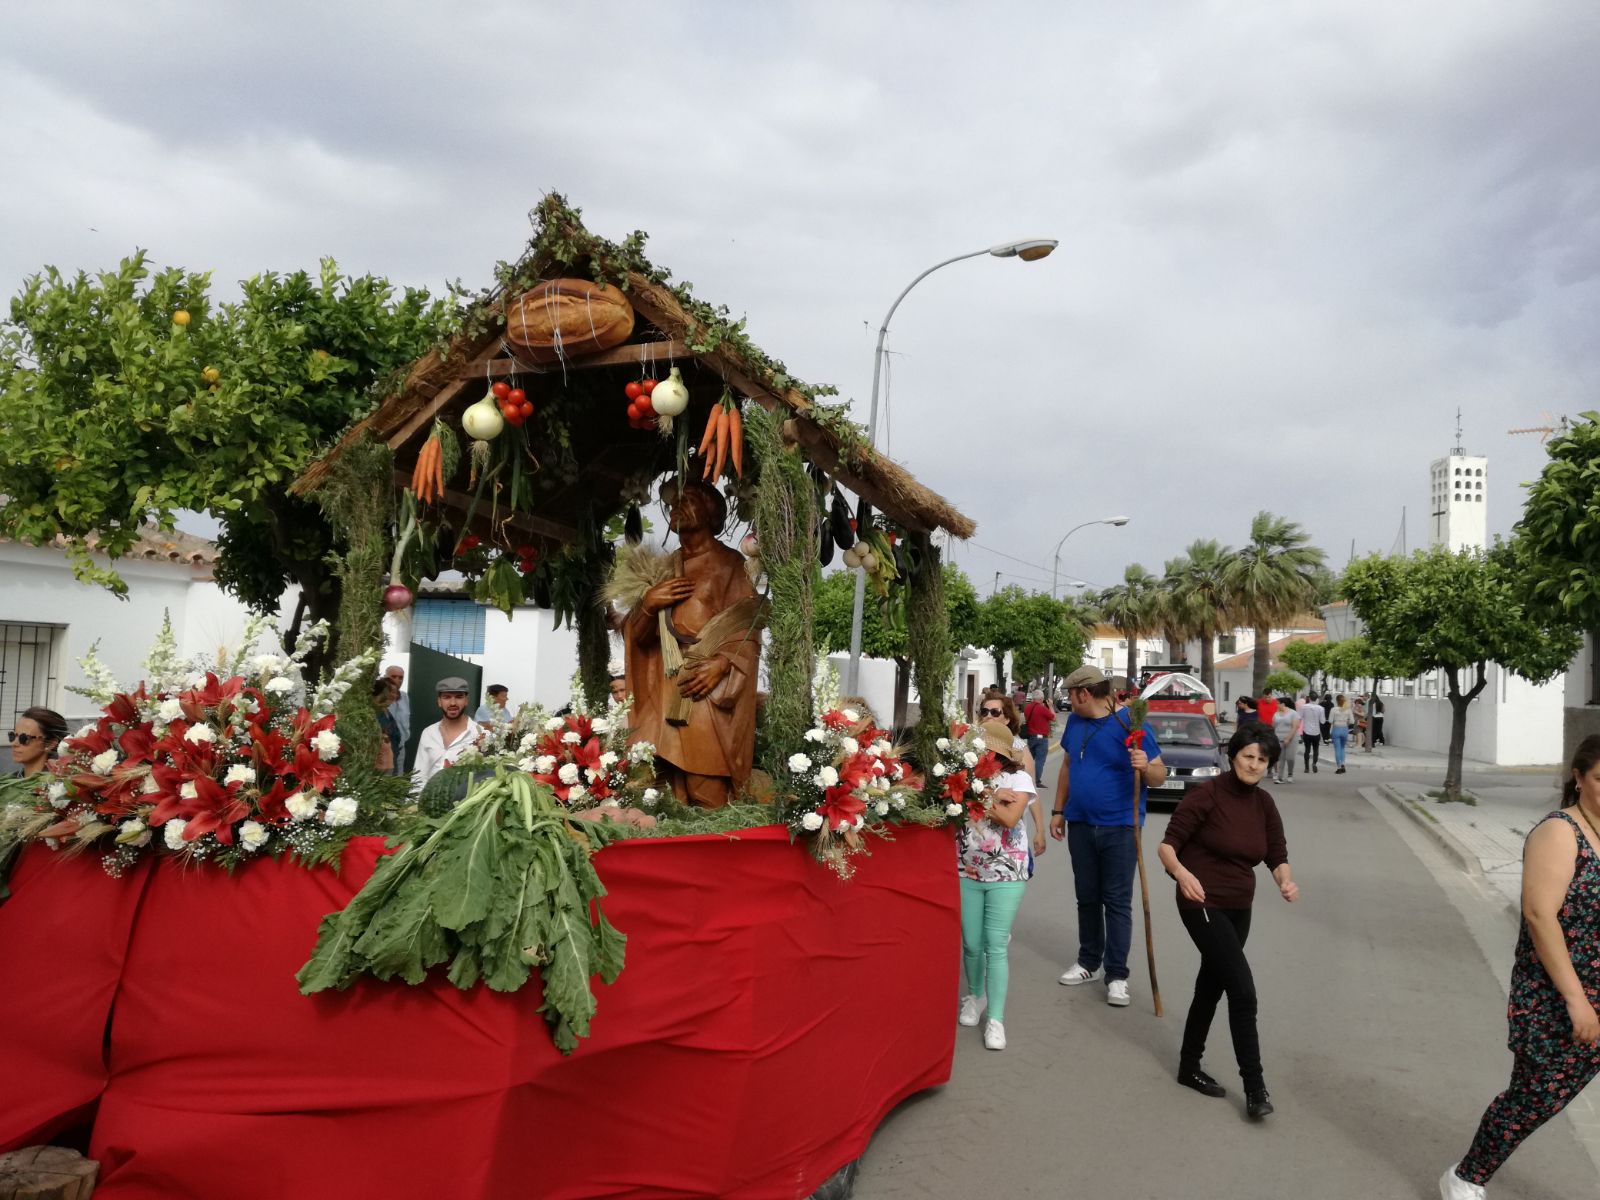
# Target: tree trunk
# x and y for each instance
(1177, 649)
(902, 694)
(1261, 665)
(1000, 668)
(1133, 660)
(1208, 674)
(1459, 704)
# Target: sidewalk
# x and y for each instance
(1485, 838)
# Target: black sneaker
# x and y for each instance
(1201, 1082)
(1257, 1104)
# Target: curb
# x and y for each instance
(1447, 841)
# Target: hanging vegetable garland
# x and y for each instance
(723, 440)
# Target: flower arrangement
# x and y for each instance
(847, 778)
(958, 780)
(199, 764)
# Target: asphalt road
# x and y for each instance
(1382, 1028)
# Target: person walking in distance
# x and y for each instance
(445, 739)
(1375, 723)
(1341, 722)
(1286, 728)
(1094, 812)
(1038, 719)
(1327, 716)
(995, 866)
(400, 710)
(1555, 980)
(1221, 831)
(1310, 714)
(496, 706)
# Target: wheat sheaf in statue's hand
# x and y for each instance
(666, 594)
(699, 681)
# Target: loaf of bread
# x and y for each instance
(568, 318)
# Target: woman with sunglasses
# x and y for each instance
(997, 707)
(34, 738)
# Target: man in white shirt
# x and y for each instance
(443, 741)
(1311, 718)
(400, 710)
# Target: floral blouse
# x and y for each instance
(989, 852)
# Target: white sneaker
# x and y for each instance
(1453, 1187)
(971, 1006)
(994, 1035)
(1117, 993)
(1076, 974)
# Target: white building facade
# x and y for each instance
(1457, 510)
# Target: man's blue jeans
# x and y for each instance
(1102, 874)
(1039, 744)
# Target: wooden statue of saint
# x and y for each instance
(693, 646)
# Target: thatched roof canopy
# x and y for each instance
(673, 329)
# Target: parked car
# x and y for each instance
(1191, 749)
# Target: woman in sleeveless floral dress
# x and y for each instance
(1555, 980)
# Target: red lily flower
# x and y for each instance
(97, 741)
(840, 807)
(311, 772)
(955, 786)
(271, 806)
(305, 728)
(137, 743)
(976, 810)
(988, 765)
(195, 701)
(581, 725)
(123, 709)
(587, 754)
(267, 747)
(834, 719)
(214, 809)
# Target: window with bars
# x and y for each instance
(30, 664)
(448, 625)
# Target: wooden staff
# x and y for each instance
(1137, 712)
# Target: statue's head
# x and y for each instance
(698, 506)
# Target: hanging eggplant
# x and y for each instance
(633, 525)
(824, 545)
(839, 521)
(539, 591)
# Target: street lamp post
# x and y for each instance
(1055, 574)
(1027, 250)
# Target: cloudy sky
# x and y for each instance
(1295, 235)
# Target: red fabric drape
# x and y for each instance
(768, 1017)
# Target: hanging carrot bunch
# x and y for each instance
(436, 461)
(723, 441)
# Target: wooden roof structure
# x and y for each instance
(670, 330)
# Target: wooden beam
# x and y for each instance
(642, 353)
(425, 414)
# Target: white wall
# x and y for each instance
(1512, 723)
(525, 651)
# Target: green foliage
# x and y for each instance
(498, 884)
(1284, 683)
(1358, 658)
(786, 532)
(1305, 658)
(1556, 544)
(1131, 607)
(833, 603)
(929, 646)
(1270, 580)
(1035, 628)
(110, 419)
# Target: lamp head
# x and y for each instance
(1116, 520)
(1027, 250)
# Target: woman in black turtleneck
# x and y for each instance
(1221, 831)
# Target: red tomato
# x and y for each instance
(514, 417)
(517, 396)
(649, 385)
(634, 390)
(526, 409)
(500, 388)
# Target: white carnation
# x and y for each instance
(326, 744)
(812, 821)
(576, 792)
(253, 835)
(883, 808)
(188, 791)
(799, 763)
(571, 737)
(170, 710)
(301, 805)
(601, 725)
(280, 686)
(85, 730)
(970, 759)
(952, 810)
(881, 747)
(816, 735)
(341, 811)
(848, 746)
(827, 777)
(544, 764)
(977, 787)
(592, 774)
(940, 770)
(528, 742)
(530, 765)
(266, 664)
(57, 792)
(172, 834)
(149, 785)
(133, 833)
(568, 773)
(239, 773)
(943, 743)
(650, 797)
(102, 763)
(553, 724)
(850, 714)
(199, 733)
(608, 760)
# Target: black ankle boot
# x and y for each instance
(1194, 1077)
(1257, 1103)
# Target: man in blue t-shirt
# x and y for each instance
(1093, 812)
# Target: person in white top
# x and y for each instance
(444, 740)
(1311, 718)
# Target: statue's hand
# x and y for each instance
(699, 681)
(666, 594)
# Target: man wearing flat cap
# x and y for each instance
(1094, 812)
(442, 742)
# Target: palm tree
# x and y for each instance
(1272, 579)
(1197, 581)
(1130, 608)
(1166, 613)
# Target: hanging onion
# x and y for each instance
(670, 397)
(483, 421)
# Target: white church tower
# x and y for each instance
(1458, 511)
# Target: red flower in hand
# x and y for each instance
(988, 765)
(1135, 738)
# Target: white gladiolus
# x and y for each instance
(640, 751)
(341, 811)
(169, 710)
(326, 744)
(102, 763)
(266, 664)
(568, 773)
(952, 810)
(253, 835)
(812, 821)
(799, 763)
(239, 773)
(943, 743)
(281, 686)
(199, 733)
(172, 834)
(601, 725)
(301, 805)
(544, 764)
